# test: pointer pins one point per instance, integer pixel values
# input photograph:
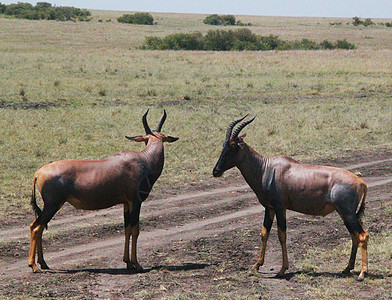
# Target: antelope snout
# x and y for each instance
(217, 173)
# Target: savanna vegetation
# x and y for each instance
(334, 100)
(137, 18)
(367, 22)
(74, 89)
(44, 11)
(225, 20)
(236, 40)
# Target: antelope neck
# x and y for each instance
(252, 167)
(154, 155)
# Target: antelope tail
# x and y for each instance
(33, 200)
(361, 209)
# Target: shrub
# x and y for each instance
(228, 20)
(137, 18)
(215, 19)
(327, 44)
(237, 40)
(357, 21)
(343, 44)
(368, 22)
(2, 8)
(46, 11)
(220, 40)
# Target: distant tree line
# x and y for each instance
(225, 20)
(235, 40)
(368, 22)
(358, 22)
(45, 11)
(137, 18)
(387, 24)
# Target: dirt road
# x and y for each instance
(195, 244)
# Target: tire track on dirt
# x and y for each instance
(188, 231)
(151, 209)
(74, 222)
(117, 212)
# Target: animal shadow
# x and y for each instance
(124, 271)
(287, 276)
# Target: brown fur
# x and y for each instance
(125, 178)
(282, 183)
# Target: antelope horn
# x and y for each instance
(145, 124)
(239, 128)
(231, 126)
(159, 127)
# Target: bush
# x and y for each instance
(46, 11)
(137, 18)
(236, 40)
(2, 8)
(343, 44)
(327, 45)
(357, 21)
(219, 40)
(226, 20)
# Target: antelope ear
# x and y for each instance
(138, 138)
(241, 143)
(170, 139)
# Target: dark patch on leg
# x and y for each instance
(145, 187)
(268, 220)
(127, 218)
(272, 192)
(135, 214)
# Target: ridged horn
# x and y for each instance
(231, 126)
(239, 128)
(159, 127)
(145, 124)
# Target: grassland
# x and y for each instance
(73, 90)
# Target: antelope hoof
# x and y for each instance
(256, 267)
(44, 266)
(138, 267)
(130, 265)
(361, 277)
(347, 270)
(281, 273)
(35, 268)
(134, 266)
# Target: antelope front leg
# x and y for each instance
(131, 222)
(135, 234)
(128, 226)
(268, 220)
(281, 218)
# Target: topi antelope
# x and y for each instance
(125, 178)
(282, 183)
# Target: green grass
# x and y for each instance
(96, 85)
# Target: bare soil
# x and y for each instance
(199, 244)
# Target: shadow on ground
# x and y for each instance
(123, 271)
(289, 275)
